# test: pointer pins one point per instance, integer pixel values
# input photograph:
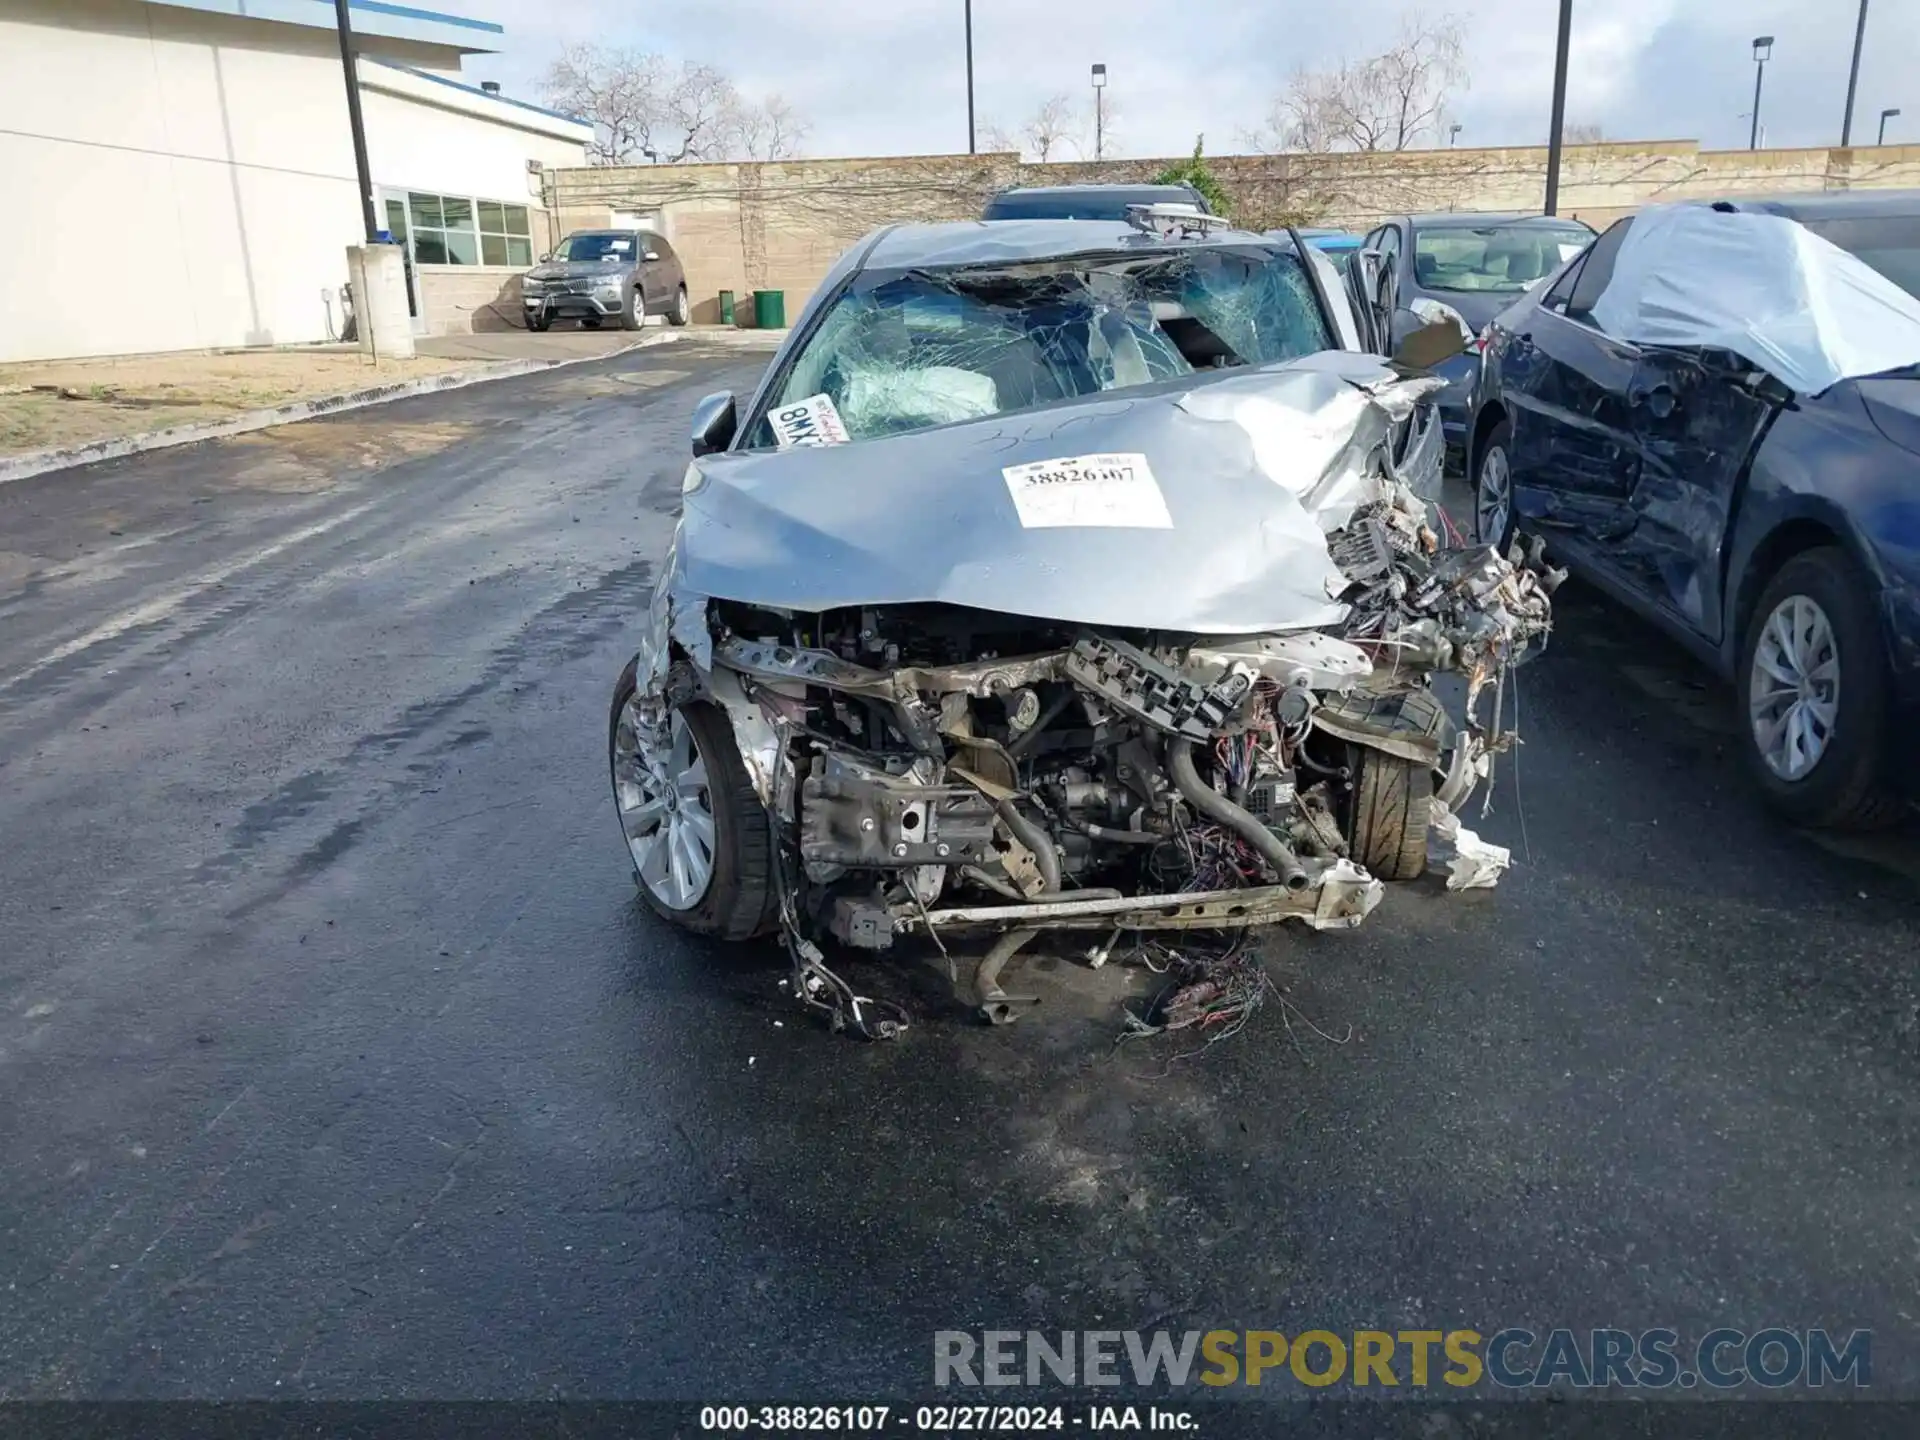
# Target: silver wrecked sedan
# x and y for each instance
(1060, 575)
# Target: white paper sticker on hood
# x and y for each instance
(1112, 491)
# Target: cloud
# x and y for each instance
(881, 77)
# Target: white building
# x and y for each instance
(179, 173)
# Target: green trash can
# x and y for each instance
(726, 307)
(770, 309)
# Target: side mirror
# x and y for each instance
(651, 255)
(713, 423)
(546, 257)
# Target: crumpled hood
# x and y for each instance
(1251, 470)
(578, 269)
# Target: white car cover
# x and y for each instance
(1762, 286)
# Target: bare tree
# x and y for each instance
(1585, 132)
(1389, 101)
(642, 104)
(993, 138)
(770, 130)
(1055, 125)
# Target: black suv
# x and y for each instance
(1087, 202)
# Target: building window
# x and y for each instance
(459, 230)
(504, 236)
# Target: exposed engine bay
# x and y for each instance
(948, 775)
(945, 771)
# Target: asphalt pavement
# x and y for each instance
(339, 1059)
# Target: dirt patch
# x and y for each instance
(297, 458)
(76, 402)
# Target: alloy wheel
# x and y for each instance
(1493, 496)
(666, 806)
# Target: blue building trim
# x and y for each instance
(473, 89)
(411, 13)
(384, 18)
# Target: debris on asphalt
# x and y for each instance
(1473, 863)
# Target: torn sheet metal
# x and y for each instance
(1472, 863)
(1253, 469)
(1762, 286)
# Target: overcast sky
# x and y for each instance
(887, 77)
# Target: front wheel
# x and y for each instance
(633, 311)
(1493, 489)
(695, 830)
(540, 322)
(1392, 808)
(1813, 687)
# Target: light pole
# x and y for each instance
(1853, 76)
(1453, 134)
(1099, 111)
(355, 123)
(1559, 120)
(971, 140)
(1762, 51)
(1885, 115)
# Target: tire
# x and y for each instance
(738, 901)
(633, 310)
(1391, 810)
(1846, 786)
(681, 312)
(540, 323)
(1489, 527)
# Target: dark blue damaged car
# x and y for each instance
(1772, 528)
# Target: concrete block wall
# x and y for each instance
(458, 300)
(779, 226)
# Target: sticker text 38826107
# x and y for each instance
(1111, 491)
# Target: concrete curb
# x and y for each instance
(40, 462)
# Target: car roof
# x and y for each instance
(1831, 204)
(1104, 189)
(1474, 220)
(1014, 242)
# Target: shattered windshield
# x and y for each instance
(1497, 258)
(902, 352)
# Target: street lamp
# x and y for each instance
(1762, 52)
(1453, 134)
(1885, 115)
(355, 123)
(971, 139)
(1853, 76)
(1099, 111)
(1558, 120)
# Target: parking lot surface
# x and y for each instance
(340, 1059)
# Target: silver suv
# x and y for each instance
(597, 275)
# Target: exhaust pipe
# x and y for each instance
(1215, 806)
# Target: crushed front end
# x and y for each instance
(973, 777)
